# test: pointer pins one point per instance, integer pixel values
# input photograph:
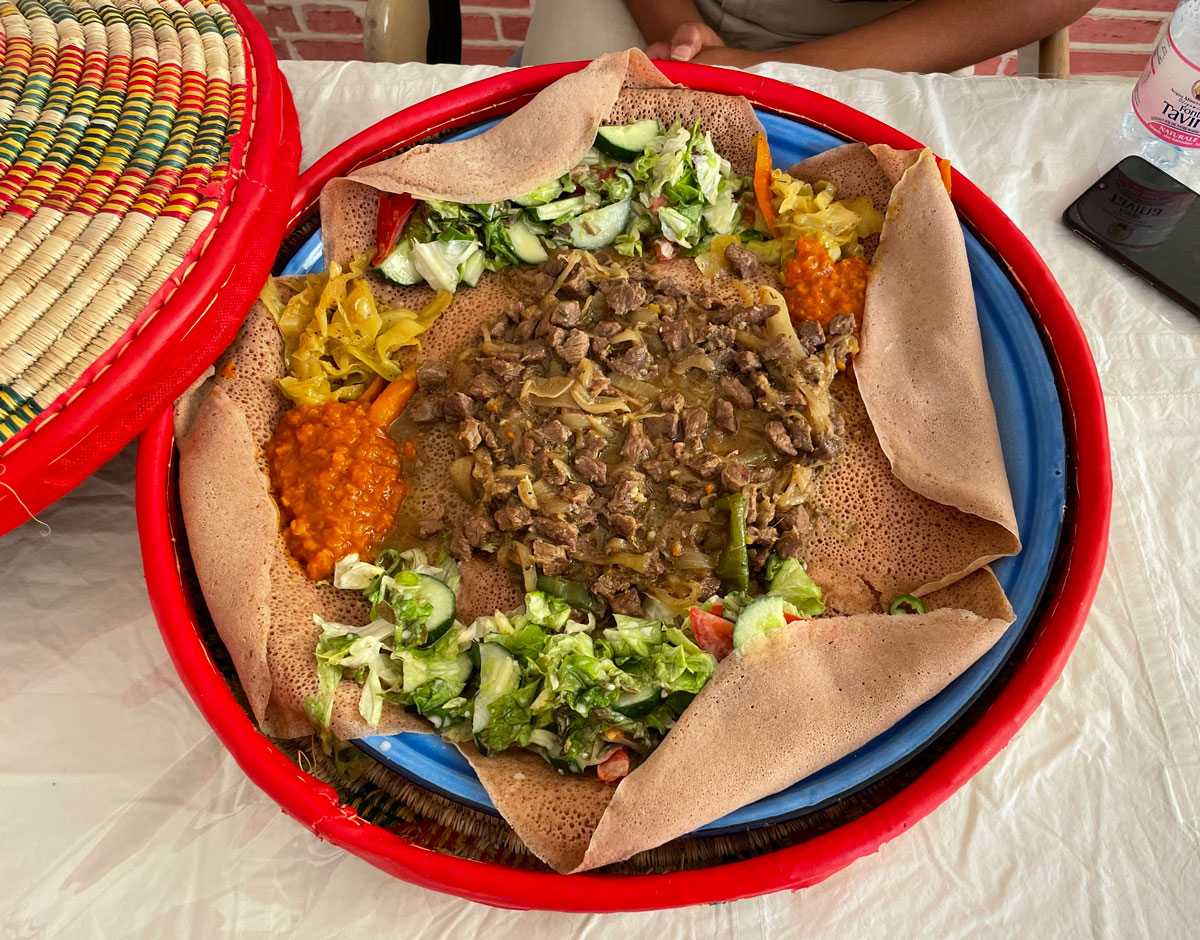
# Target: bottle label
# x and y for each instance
(1167, 96)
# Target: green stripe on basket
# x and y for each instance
(15, 413)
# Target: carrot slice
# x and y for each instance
(762, 182)
(372, 390)
(944, 168)
(391, 401)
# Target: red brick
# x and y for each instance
(1156, 5)
(478, 26)
(276, 20)
(1108, 63)
(487, 55)
(514, 27)
(332, 20)
(491, 4)
(1115, 29)
(281, 49)
(990, 67)
(337, 50)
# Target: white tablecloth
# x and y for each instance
(124, 816)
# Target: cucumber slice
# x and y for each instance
(471, 269)
(627, 142)
(541, 195)
(758, 617)
(438, 262)
(572, 205)
(639, 704)
(599, 227)
(499, 675)
(526, 246)
(439, 596)
(398, 266)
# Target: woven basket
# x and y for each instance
(137, 137)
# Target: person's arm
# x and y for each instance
(928, 36)
(672, 28)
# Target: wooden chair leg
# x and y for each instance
(1054, 55)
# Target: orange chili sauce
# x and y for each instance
(819, 288)
(336, 475)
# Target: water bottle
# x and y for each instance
(1163, 120)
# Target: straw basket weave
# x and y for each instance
(124, 126)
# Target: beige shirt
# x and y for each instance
(772, 24)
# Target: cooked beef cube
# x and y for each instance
(695, 421)
(429, 523)
(426, 409)
(682, 497)
(554, 432)
(577, 283)
(812, 370)
(827, 445)
(717, 336)
(607, 328)
(549, 470)
(485, 385)
(789, 546)
(637, 444)
(610, 584)
(590, 469)
(430, 374)
(513, 518)
(705, 466)
(776, 349)
(503, 369)
(762, 474)
(670, 287)
(762, 535)
(837, 423)
(737, 393)
(600, 346)
(631, 362)
(662, 425)
(722, 359)
(735, 475)
(530, 445)
(666, 305)
(810, 335)
(578, 494)
(555, 530)
(746, 360)
(458, 407)
(752, 316)
(552, 558)
(460, 548)
(654, 563)
(524, 331)
(625, 297)
(778, 436)
(592, 443)
(671, 401)
(555, 265)
(743, 261)
(795, 520)
(573, 347)
(724, 417)
(553, 336)
(675, 334)
(472, 432)
(656, 469)
(477, 529)
(542, 282)
(565, 313)
(628, 603)
(621, 523)
(801, 435)
(841, 324)
(626, 496)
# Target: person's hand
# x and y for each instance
(723, 55)
(686, 43)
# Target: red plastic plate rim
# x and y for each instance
(1081, 561)
(184, 327)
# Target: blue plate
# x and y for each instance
(1031, 429)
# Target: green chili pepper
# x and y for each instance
(733, 565)
(572, 592)
(907, 604)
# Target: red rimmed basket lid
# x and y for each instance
(153, 218)
(1084, 539)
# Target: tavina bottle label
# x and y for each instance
(1167, 96)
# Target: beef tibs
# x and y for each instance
(601, 423)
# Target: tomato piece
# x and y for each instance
(713, 634)
(718, 608)
(790, 618)
(394, 210)
(943, 166)
(614, 767)
(656, 203)
(665, 250)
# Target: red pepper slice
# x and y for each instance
(713, 634)
(762, 182)
(394, 210)
(613, 767)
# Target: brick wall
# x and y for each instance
(1116, 37)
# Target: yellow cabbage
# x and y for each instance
(338, 337)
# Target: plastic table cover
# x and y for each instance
(126, 818)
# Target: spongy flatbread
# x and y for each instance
(789, 703)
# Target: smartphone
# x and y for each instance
(1149, 222)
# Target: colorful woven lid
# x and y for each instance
(148, 154)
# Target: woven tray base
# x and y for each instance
(121, 125)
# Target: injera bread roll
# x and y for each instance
(787, 704)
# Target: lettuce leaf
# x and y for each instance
(787, 578)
